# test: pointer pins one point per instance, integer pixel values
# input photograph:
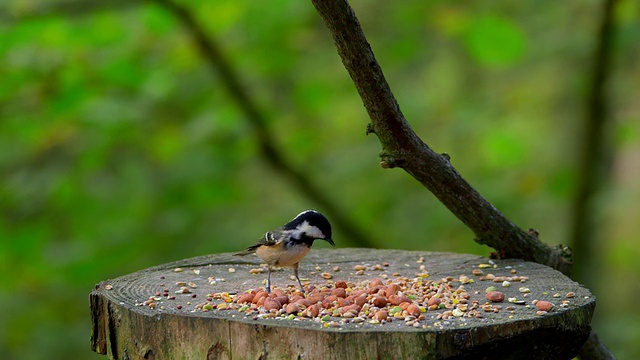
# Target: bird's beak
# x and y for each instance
(330, 241)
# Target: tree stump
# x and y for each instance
(135, 316)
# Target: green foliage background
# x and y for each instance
(120, 149)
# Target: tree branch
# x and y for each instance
(211, 52)
(401, 147)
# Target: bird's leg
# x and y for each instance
(295, 272)
(269, 279)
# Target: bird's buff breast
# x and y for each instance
(276, 255)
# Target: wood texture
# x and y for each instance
(123, 329)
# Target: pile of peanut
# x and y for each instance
(375, 301)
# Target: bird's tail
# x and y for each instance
(247, 251)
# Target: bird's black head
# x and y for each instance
(311, 224)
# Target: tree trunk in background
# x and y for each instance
(595, 158)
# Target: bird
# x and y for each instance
(287, 245)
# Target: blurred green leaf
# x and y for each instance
(494, 40)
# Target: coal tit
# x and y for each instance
(286, 246)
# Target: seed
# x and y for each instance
(360, 272)
(271, 304)
(336, 268)
(328, 301)
(312, 311)
(434, 301)
(339, 292)
(349, 314)
(397, 300)
(484, 266)
(256, 271)
(292, 308)
(381, 315)
(177, 270)
(413, 310)
(505, 283)
(544, 306)
(379, 301)
(540, 312)
(392, 289)
(513, 271)
(232, 270)
(396, 310)
(524, 290)
(495, 296)
(490, 277)
(571, 294)
(178, 307)
(477, 272)
(244, 298)
(359, 267)
(341, 284)
(316, 298)
(192, 285)
(326, 276)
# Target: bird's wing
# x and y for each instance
(270, 238)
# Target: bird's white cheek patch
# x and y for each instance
(311, 231)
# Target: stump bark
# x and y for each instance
(125, 328)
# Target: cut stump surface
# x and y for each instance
(127, 326)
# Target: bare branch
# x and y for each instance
(401, 147)
(212, 53)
